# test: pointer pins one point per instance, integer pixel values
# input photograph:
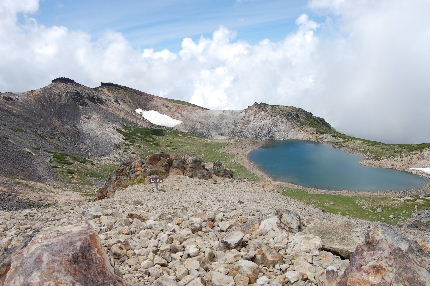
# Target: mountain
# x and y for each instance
(66, 122)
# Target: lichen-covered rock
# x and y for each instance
(387, 258)
(68, 255)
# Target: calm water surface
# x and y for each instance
(322, 166)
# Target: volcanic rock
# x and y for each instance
(387, 258)
(67, 255)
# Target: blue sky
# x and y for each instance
(163, 24)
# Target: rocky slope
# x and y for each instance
(67, 117)
(215, 232)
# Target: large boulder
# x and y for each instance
(387, 258)
(339, 237)
(67, 255)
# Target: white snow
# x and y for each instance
(425, 170)
(158, 118)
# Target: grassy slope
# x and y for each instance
(391, 210)
(371, 149)
(145, 141)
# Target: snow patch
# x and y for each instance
(425, 170)
(158, 118)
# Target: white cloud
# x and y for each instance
(365, 68)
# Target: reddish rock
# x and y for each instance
(268, 257)
(387, 258)
(159, 164)
(68, 255)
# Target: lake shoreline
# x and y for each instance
(242, 148)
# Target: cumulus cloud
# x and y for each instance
(364, 67)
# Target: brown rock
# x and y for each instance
(68, 255)
(268, 257)
(387, 258)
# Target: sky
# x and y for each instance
(363, 65)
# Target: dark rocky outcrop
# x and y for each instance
(63, 80)
(68, 255)
(160, 164)
(387, 258)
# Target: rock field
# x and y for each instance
(205, 232)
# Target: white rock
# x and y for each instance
(196, 282)
(219, 279)
(160, 261)
(268, 225)
(155, 272)
(146, 264)
(290, 220)
(248, 269)
(181, 272)
(224, 225)
(94, 212)
(132, 261)
(306, 243)
(187, 279)
(165, 281)
(293, 276)
(233, 239)
(263, 280)
(192, 250)
(192, 264)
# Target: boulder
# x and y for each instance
(340, 238)
(270, 224)
(387, 258)
(219, 279)
(268, 257)
(248, 269)
(301, 242)
(165, 281)
(233, 239)
(289, 220)
(67, 255)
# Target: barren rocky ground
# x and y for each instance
(207, 232)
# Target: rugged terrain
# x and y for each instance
(216, 232)
(60, 144)
(66, 120)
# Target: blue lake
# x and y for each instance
(324, 167)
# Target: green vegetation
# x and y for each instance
(78, 170)
(383, 209)
(374, 149)
(65, 159)
(146, 141)
(177, 101)
(20, 130)
(320, 128)
(136, 134)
